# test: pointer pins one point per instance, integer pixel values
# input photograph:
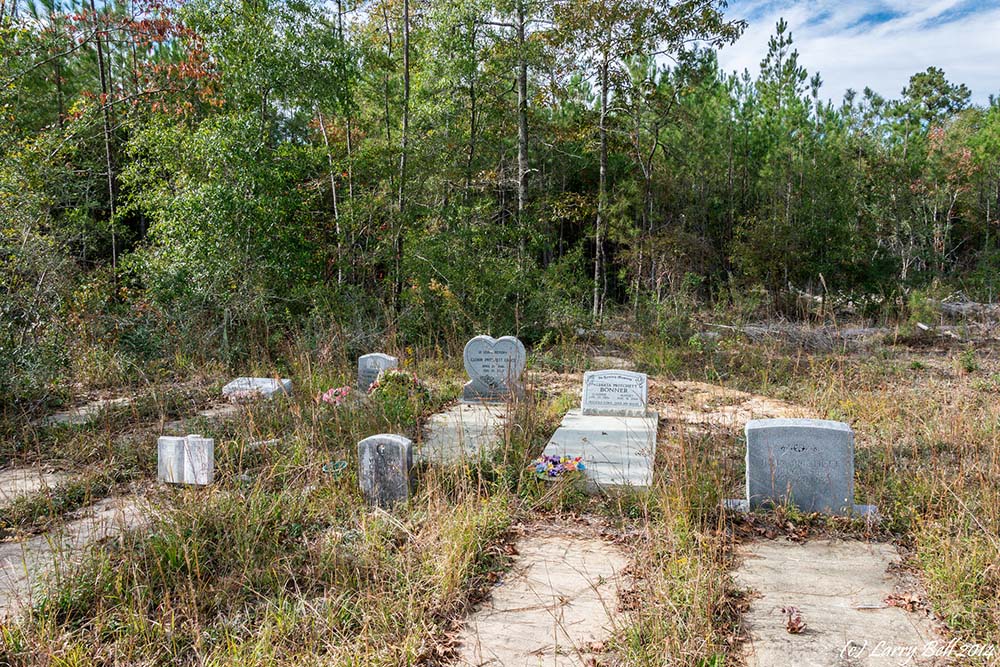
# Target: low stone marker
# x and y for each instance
(614, 392)
(808, 463)
(247, 387)
(613, 432)
(370, 365)
(185, 460)
(494, 366)
(384, 463)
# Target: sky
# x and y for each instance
(877, 43)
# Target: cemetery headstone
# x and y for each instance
(185, 460)
(494, 366)
(370, 365)
(614, 392)
(612, 432)
(247, 387)
(385, 462)
(808, 463)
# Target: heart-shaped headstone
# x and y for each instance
(494, 367)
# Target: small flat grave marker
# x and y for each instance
(247, 387)
(185, 460)
(494, 366)
(384, 463)
(615, 392)
(808, 463)
(370, 365)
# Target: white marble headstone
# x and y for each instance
(185, 460)
(247, 387)
(494, 366)
(615, 393)
(370, 365)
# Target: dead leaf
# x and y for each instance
(793, 623)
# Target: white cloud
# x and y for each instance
(858, 43)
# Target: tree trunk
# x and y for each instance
(522, 115)
(333, 194)
(106, 122)
(385, 79)
(470, 156)
(600, 287)
(402, 156)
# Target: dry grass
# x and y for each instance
(281, 563)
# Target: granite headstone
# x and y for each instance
(808, 463)
(370, 365)
(494, 366)
(385, 462)
(185, 460)
(614, 393)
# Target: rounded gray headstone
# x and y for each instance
(384, 465)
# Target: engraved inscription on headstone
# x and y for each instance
(808, 463)
(614, 392)
(385, 462)
(370, 365)
(185, 460)
(494, 367)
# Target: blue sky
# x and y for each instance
(877, 43)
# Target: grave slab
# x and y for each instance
(83, 414)
(464, 432)
(25, 564)
(18, 482)
(370, 365)
(617, 451)
(494, 366)
(249, 387)
(840, 589)
(556, 606)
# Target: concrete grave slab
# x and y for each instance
(840, 589)
(85, 413)
(494, 366)
(385, 462)
(25, 564)
(615, 392)
(464, 432)
(805, 462)
(18, 482)
(553, 609)
(617, 451)
(370, 365)
(250, 387)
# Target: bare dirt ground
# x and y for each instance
(702, 405)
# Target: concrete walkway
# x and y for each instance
(554, 608)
